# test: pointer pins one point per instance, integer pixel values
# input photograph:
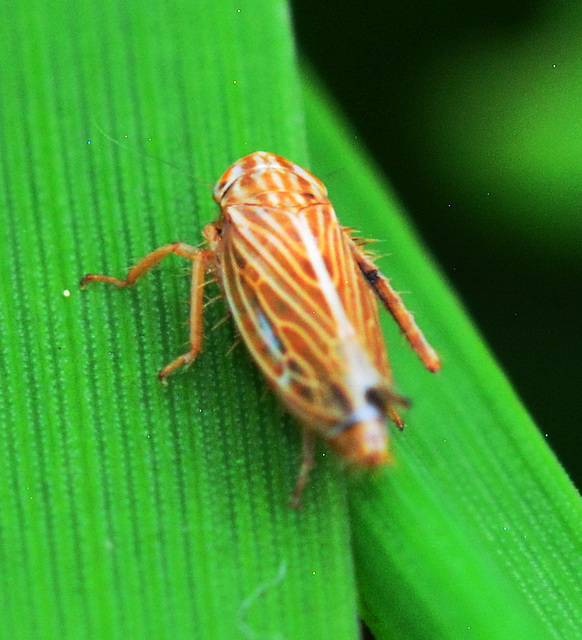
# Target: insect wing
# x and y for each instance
(302, 306)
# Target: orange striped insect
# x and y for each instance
(301, 292)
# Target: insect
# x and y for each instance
(302, 293)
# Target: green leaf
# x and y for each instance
(133, 510)
(130, 509)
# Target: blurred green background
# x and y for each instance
(474, 111)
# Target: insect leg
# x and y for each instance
(145, 264)
(200, 259)
(199, 264)
(393, 303)
(307, 447)
(395, 417)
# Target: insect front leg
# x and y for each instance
(393, 303)
(200, 259)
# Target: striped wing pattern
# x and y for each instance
(302, 294)
(297, 295)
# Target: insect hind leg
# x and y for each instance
(394, 305)
(307, 463)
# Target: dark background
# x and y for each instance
(474, 113)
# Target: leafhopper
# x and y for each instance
(303, 295)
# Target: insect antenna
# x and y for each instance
(152, 156)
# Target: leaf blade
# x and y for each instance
(138, 510)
